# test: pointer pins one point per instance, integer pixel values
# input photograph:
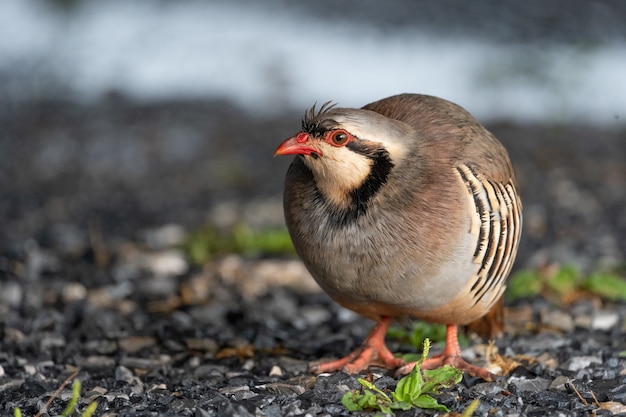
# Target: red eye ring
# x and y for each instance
(339, 137)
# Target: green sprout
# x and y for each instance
(414, 390)
(469, 411)
(71, 405)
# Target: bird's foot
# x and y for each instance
(451, 355)
(362, 358)
(373, 352)
(453, 360)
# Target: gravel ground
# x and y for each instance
(94, 200)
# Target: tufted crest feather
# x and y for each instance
(310, 121)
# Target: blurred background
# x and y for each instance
(123, 117)
(531, 62)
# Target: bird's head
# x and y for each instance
(350, 152)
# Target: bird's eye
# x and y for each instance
(339, 138)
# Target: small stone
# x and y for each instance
(39, 260)
(272, 410)
(558, 319)
(12, 335)
(294, 366)
(11, 293)
(618, 393)
(134, 344)
(274, 371)
(111, 396)
(238, 393)
(97, 362)
(44, 366)
(165, 236)
(560, 383)
(204, 371)
(203, 345)
(305, 381)
(73, 291)
(329, 382)
(52, 341)
(248, 365)
(145, 363)
(605, 320)
(95, 392)
(487, 389)
(314, 315)
(583, 322)
(101, 346)
(293, 408)
(180, 406)
(284, 389)
(201, 412)
(124, 374)
(166, 263)
(159, 287)
(547, 361)
(233, 390)
(33, 388)
(532, 385)
(163, 264)
(577, 363)
(231, 410)
(158, 387)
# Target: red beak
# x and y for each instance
(297, 145)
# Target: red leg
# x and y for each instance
(373, 351)
(451, 355)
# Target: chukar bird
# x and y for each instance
(406, 207)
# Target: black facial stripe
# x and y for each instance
(361, 196)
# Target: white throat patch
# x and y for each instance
(339, 172)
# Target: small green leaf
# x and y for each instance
(606, 284)
(368, 401)
(401, 405)
(348, 401)
(524, 283)
(426, 401)
(410, 386)
(444, 377)
(374, 388)
(565, 280)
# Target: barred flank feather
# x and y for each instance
(496, 224)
